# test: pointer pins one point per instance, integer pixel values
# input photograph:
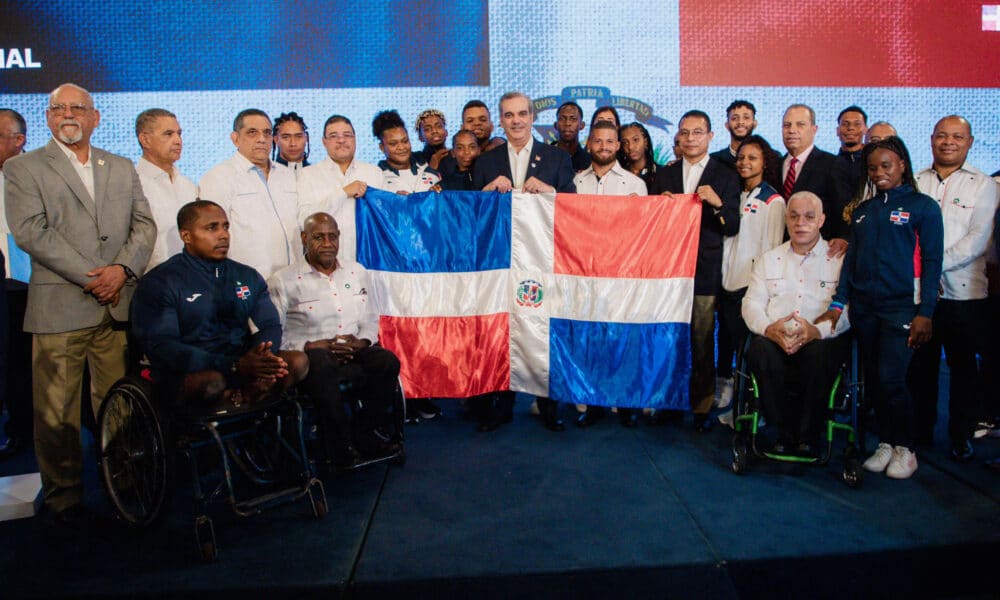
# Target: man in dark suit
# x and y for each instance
(80, 213)
(807, 168)
(526, 164)
(718, 188)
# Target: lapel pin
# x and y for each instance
(100, 162)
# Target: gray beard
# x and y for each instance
(66, 139)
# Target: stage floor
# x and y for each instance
(650, 512)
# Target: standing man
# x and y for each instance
(605, 176)
(525, 164)
(165, 188)
(569, 123)
(258, 195)
(433, 132)
(808, 168)
(741, 122)
(718, 189)
(852, 125)
(333, 184)
(476, 118)
(12, 138)
(80, 213)
(291, 142)
(968, 201)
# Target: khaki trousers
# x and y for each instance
(57, 370)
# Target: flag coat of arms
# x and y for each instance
(583, 299)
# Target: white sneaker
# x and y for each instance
(878, 461)
(723, 391)
(903, 463)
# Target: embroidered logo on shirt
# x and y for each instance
(899, 217)
(193, 297)
(751, 208)
(242, 291)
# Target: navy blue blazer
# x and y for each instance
(549, 164)
(824, 175)
(714, 224)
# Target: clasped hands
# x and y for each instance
(343, 346)
(106, 284)
(791, 333)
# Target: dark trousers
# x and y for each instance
(702, 388)
(732, 330)
(794, 388)
(496, 405)
(960, 327)
(885, 357)
(371, 376)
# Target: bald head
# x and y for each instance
(321, 242)
(950, 143)
(879, 131)
(803, 217)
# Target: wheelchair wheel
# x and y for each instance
(741, 454)
(132, 452)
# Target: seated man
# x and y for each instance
(323, 304)
(192, 313)
(789, 287)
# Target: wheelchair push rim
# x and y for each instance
(132, 452)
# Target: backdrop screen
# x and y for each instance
(908, 62)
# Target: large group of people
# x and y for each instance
(247, 283)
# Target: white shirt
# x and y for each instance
(314, 306)
(762, 227)
(519, 162)
(692, 173)
(418, 178)
(783, 282)
(262, 214)
(84, 170)
(165, 198)
(798, 166)
(968, 200)
(321, 189)
(616, 182)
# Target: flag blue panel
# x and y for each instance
(635, 365)
(434, 232)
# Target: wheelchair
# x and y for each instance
(386, 429)
(140, 433)
(842, 413)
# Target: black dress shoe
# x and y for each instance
(703, 423)
(494, 420)
(554, 423)
(664, 416)
(962, 451)
(10, 446)
(629, 417)
(592, 415)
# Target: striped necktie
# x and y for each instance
(790, 178)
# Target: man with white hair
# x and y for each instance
(81, 215)
(790, 286)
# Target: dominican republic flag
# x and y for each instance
(584, 299)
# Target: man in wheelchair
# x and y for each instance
(323, 304)
(192, 318)
(793, 360)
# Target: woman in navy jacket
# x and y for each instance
(890, 281)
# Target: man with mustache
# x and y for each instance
(258, 194)
(166, 189)
(324, 308)
(81, 215)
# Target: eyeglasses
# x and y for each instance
(77, 109)
(694, 134)
(339, 136)
(255, 133)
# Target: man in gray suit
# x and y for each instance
(80, 213)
